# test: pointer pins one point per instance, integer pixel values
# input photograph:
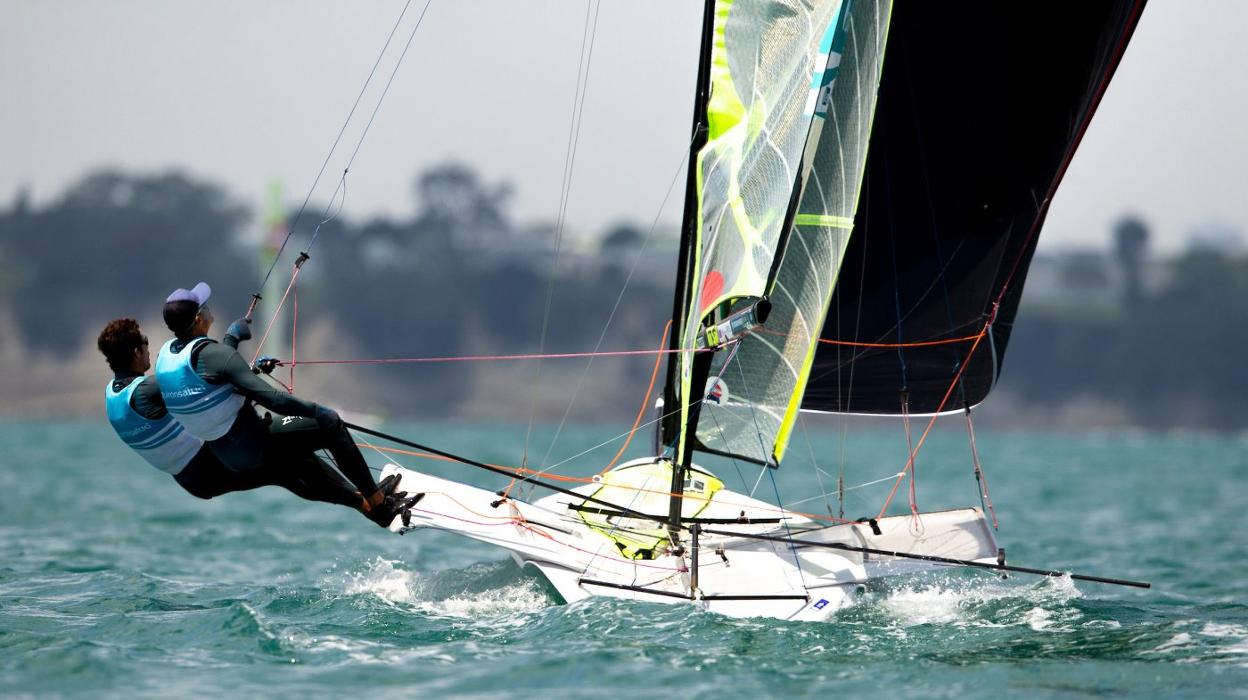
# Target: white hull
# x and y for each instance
(752, 578)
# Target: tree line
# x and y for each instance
(461, 277)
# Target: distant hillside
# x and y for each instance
(1111, 338)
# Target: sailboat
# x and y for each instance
(867, 184)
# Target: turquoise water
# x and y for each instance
(115, 583)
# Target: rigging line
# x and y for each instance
(735, 465)
(927, 430)
(569, 164)
(342, 182)
(327, 215)
(619, 299)
(291, 229)
(913, 307)
(518, 472)
(847, 489)
(615, 527)
(614, 309)
(565, 479)
(294, 337)
(718, 425)
(1084, 119)
(797, 561)
(547, 469)
(981, 480)
(758, 431)
(919, 344)
(916, 524)
(930, 558)
(529, 479)
(823, 491)
(853, 344)
(645, 403)
(582, 453)
(498, 358)
(487, 467)
(892, 247)
(846, 393)
(294, 275)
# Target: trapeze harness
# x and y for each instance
(164, 443)
(207, 411)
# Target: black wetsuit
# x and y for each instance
(279, 442)
(205, 476)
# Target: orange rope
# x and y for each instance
(294, 275)
(645, 402)
(936, 414)
(852, 344)
(294, 332)
(921, 344)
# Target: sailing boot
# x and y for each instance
(382, 506)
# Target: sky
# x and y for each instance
(244, 92)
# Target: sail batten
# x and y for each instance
(762, 389)
(762, 68)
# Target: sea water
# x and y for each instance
(115, 583)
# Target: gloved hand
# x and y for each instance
(240, 329)
(327, 418)
(267, 364)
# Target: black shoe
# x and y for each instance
(407, 508)
(389, 484)
(384, 513)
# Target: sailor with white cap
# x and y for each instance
(137, 412)
(209, 389)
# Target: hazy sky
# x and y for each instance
(241, 92)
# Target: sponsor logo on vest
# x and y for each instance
(136, 431)
(183, 393)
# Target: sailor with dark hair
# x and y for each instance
(210, 390)
(138, 414)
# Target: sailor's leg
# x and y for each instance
(312, 479)
(292, 435)
(207, 477)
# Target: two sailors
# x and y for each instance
(196, 418)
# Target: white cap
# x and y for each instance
(198, 294)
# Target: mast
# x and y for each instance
(670, 427)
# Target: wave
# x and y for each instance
(490, 589)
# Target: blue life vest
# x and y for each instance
(206, 410)
(163, 443)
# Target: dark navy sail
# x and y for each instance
(981, 107)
